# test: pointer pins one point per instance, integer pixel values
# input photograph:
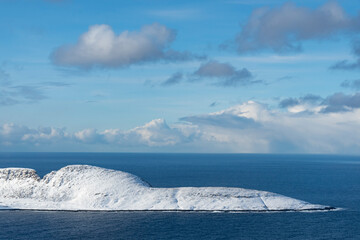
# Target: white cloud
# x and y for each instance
(277, 131)
(87, 136)
(283, 28)
(101, 47)
(248, 127)
(156, 133)
(12, 134)
(337, 102)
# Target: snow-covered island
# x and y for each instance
(83, 187)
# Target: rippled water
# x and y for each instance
(327, 180)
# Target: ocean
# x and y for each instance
(321, 179)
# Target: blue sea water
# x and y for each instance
(322, 179)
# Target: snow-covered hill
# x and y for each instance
(83, 187)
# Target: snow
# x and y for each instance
(84, 187)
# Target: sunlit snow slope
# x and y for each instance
(83, 187)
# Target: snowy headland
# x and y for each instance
(84, 187)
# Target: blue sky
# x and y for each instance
(180, 76)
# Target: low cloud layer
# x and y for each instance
(248, 127)
(282, 29)
(101, 47)
(153, 134)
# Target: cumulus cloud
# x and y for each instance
(100, 46)
(337, 102)
(247, 127)
(283, 28)
(224, 120)
(308, 102)
(89, 136)
(156, 133)
(340, 102)
(225, 74)
(12, 134)
(278, 131)
(240, 116)
(289, 102)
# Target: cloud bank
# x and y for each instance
(283, 29)
(248, 127)
(101, 47)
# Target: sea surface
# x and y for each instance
(321, 179)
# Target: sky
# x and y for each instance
(231, 76)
